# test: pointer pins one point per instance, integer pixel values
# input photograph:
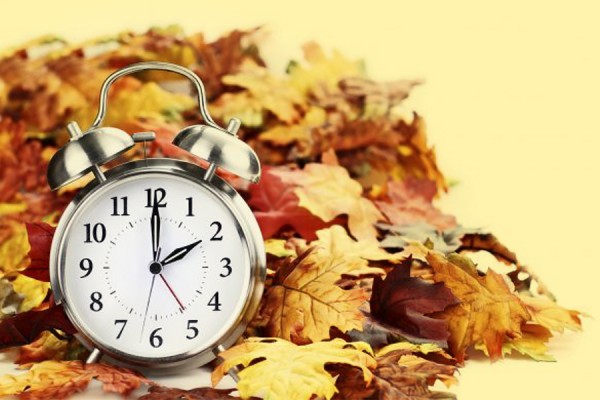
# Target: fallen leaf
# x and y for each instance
(24, 328)
(404, 305)
(532, 343)
(411, 201)
(545, 312)
(328, 191)
(40, 237)
(277, 248)
(488, 312)
(284, 135)
(275, 206)
(33, 291)
(46, 347)
(204, 393)
(14, 248)
(61, 379)
(277, 369)
(304, 302)
(10, 300)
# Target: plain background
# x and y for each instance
(511, 99)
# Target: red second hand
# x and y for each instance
(172, 292)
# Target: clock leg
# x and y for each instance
(94, 356)
(233, 372)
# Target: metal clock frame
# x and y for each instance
(247, 228)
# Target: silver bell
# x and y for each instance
(221, 148)
(85, 153)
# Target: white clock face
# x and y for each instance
(154, 266)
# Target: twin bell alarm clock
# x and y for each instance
(158, 263)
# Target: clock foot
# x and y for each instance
(233, 372)
(94, 356)
(210, 172)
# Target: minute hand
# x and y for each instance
(179, 253)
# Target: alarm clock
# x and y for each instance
(159, 263)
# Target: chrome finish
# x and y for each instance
(94, 356)
(233, 371)
(143, 137)
(247, 228)
(221, 148)
(153, 65)
(85, 153)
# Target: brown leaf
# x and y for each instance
(203, 393)
(489, 311)
(40, 240)
(404, 303)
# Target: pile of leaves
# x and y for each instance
(372, 292)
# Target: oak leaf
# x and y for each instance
(61, 379)
(327, 191)
(488, 312)
(277, 369)
(276, 206)
(304, 302)
(404, 305)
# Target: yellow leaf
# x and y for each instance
(41, 376)
(33, 291)
(287, 371)
(277, 248)
(12, 208)
(532, 343)
(424, 348)
(328, 191)
(272, 93)
(283, 135)
(547, 313)
(14, 250)
(334, 241)
(489, 311)
(242, 105)
(304, 302)
(322, 73)
(45, 347)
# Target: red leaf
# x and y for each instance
(40, 239)
(401, 303)
(24, 328)
(276, 205)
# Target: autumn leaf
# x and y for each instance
(40, 237)
(33, 291)
(24, 328)
(13, 248)
(61, 379)
(10, 300)
(327, 191)
(204, 393)
(545, 312)
(404, 304)
(304, 302)
(284, 135)
(277, 248)
(46, 347)
(532, 343)
(488, 312)
(411, 201)
(277, 369)
(276, 206)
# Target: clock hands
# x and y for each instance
(155, 227)
(179, 253)
(172, 292)
(147, 307)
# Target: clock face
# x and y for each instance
(154, 265)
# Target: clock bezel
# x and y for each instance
(247, 228)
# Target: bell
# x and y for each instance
(85, 153)
(221, 148)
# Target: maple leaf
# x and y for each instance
(327, 191)
(204, 393)
(545, 312)
(46, 347)
(272, 366)
(402, 304)
(61, 379)
(277, 248)
(33, 291)
(304, 302)
(40, 237)
(488, 312)
(284, 135)
(24, 328)
(410, 201)
(532, 343)
(276, 206)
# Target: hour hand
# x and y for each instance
(179, 253)
(155, 226)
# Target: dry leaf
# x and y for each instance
(550, 315)
(276, 369)
(32, 290)
(532, 343)
(204, 393)
(489, 311)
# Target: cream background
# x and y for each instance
(511, 103)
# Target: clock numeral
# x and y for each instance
(116, 207)
(193, 329)
(214, 302)
(190, 212)
(86, 266)
(157, 196)
(97, 233)
(227, 266)
(96, 304)
(217, 235)
(155, 339)
(120, 321)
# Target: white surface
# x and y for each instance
(511, 104)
